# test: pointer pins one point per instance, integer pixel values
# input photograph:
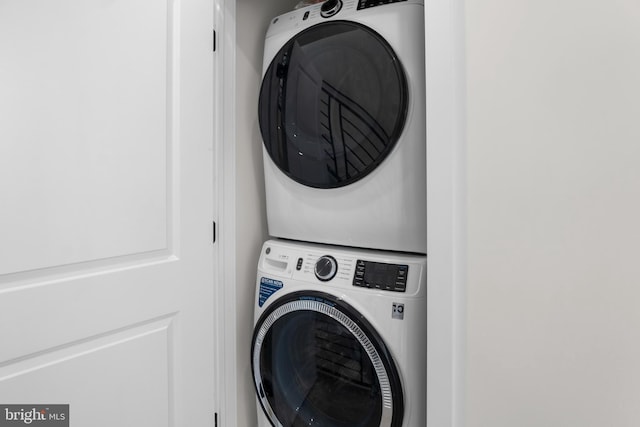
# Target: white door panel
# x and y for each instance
(106, 209)
(85, 130)
(128, 371)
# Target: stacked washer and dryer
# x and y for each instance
(340, 307)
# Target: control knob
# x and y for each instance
(330, 8)
(326, 268)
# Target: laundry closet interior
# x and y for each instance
(249, 208)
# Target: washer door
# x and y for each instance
(317, 362)
(332, 105)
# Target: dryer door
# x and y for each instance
(332, 105)
(317, 362)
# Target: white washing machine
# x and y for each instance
(339, 338)
(342, 118)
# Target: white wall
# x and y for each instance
(252, 20)
(553, 205)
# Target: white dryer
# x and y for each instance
(339, 338)
(342, 118)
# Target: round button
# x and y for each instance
(330, 8)
(326, 268)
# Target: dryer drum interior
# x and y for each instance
(333, 104)
(317, 362)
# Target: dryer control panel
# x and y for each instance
(378, 275)
(365, 4)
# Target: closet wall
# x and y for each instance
(252, 20)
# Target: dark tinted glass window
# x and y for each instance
(333, 104)
(315, 372)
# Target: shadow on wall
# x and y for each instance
(252, 20)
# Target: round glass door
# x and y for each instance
(333, 104)
(317, 363)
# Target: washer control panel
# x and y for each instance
(379, 275)
(292, 264)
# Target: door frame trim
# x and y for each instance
(227, 365)
(446, 212)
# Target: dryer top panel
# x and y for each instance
(355, 10)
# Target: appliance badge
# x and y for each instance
(268, 287)
(397, 311)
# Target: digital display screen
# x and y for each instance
(364, 4)
(378, 275)
(382, 274)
